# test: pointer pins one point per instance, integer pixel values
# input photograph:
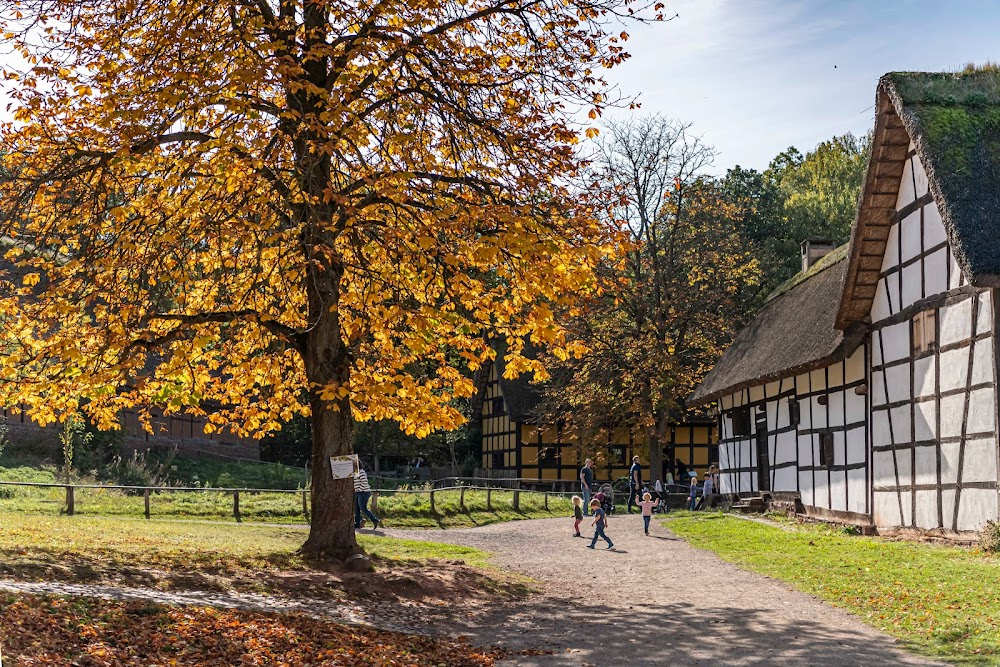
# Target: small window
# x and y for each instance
(826, 449)
(794, 415)
(924, 331)
(741, 421)
(616, 454)
(497, 460)
(498, 405)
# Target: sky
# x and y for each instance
(757, 76)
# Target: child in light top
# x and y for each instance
(647, 504)
(577, 515)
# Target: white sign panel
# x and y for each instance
(343, 467)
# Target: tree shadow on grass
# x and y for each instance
(282, 574)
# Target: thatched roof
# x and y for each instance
(792, 333)
(954, 122)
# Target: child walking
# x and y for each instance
(577, 515)
(693, 497)
(647, 504)
(600, 521)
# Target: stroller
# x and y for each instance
(606, 496)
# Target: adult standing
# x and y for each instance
(586, 482)
(362, 495)
(682, 472)
(708, 492)
(634, 483)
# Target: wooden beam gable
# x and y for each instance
(876, 213)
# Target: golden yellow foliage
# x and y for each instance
(278, 207)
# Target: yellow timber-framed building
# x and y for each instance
(514, 441)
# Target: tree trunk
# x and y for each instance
(652, 435)
(328, 361)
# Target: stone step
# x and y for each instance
(755, 504)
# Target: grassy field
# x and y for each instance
(408, 510)
(171, 544)
(939, 601)
(187, 471)
(398, 508)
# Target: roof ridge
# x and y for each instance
(836, 255)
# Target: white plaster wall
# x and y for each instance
(909, 229)
(955, 276)
(880, 307)
(955, 322)
(857, 483)
(885, 508)
(936, 275)
(927, 506)
(976, 507)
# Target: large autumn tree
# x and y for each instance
(281, 207)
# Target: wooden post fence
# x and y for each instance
(546, 501)
(433, 509)
(305, 505)
(489, 498)
(145, 499)
(461, 498)
(70, 500)
(236, 506)
(517, 500)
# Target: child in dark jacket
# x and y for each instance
(577, 515)
(600, 522)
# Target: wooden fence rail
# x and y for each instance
(430, 490)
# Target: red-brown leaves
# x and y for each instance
(99, 633)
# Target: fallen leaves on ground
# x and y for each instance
(89, 632)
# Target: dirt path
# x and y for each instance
(651, 601)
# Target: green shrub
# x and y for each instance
(138, 470)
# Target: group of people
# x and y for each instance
(581, 505)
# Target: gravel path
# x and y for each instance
(652, 601)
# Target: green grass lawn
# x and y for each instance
(175, 544)
(191, 471)
(409, 510)
(940, 601)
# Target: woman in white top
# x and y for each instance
(363, 494)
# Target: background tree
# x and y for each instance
(232, 201)
(668, 307)
(796, 198)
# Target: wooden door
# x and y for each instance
(763, 461)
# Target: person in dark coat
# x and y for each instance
(682, 472)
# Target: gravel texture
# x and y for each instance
(653, 600)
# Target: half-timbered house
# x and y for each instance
(867, 387)
(514, 439)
